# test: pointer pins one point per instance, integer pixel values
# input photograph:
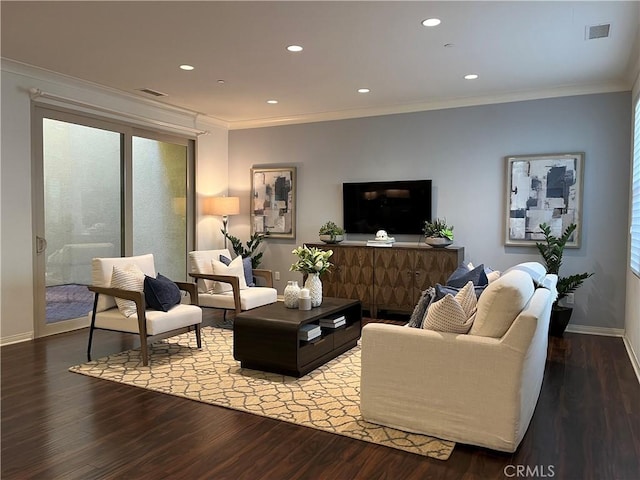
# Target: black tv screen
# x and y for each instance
(399, 207)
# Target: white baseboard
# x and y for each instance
(588, 330)
(22, 337)
(632, 357)
(610, 332)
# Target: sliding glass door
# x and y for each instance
(104, 190)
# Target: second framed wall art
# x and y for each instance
(273, 201)
(543, 189)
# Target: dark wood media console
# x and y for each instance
(267, 338)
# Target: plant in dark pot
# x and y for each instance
(551, 250)
(437, 233)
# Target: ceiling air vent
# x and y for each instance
(149, 91)
(598, 31)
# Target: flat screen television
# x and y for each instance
(399, 207)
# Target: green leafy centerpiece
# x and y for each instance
(313, 262)
(437, 233)
(331, 233)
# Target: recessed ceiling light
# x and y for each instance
(363, 90)
(220, 82)
(471, 76)
(431, 22)
(272, 102)
(294, 48)
(448, 45)
(186, 67)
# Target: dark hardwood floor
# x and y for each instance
(61, 425)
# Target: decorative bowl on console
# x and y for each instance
(437, 242)
(331, 233)
(437, 233)
(331, 238)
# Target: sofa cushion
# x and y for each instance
(248, 269)
(452, 314)
(127, 277)
(535, 270)
(501, 302)
(463, 274)
(102, 271)
(161, 293)
(234, 269)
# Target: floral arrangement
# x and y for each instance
(438, 229)
(311, 260)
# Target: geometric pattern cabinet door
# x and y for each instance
(351, 275)
(393, 279)
(387, 278)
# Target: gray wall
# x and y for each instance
(462, 150)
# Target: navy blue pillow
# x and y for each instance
(442, 290)
(246, 265)
(161, 293)
(462, 275)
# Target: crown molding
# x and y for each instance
(565, 91)
(43, 74)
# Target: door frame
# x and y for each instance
(39, 111)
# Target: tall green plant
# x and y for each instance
(551, 250)
(250, 250)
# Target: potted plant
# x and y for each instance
(312, 262)
(250, 250)
(437, 233)
(331, 233)
(551, 250)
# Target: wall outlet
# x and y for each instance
(276, 275)
(569, 299)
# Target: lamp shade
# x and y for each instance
(221, 206)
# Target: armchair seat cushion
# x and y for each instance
(180, 316)
(249, 298)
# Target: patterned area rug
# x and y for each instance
(326, 399)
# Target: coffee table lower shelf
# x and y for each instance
(267, 338)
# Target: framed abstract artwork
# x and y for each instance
(273, 201)
(543, 189)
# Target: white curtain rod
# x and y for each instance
(37, 93)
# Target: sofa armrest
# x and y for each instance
(135, 295)
(266, 274)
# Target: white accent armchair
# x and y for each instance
(149, 324)
(239, 297)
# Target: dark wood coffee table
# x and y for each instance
(267, 338)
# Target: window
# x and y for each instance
(635, 195)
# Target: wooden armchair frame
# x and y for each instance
(138, 298)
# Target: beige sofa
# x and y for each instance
(469, 388)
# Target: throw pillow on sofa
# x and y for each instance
(452, 314)
(462, 275)
(442, 290)
(500, 304)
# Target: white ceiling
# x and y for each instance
(519, 50)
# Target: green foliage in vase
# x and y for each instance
(551, 250)
(311, 260)
(438, 228)
(251, 247)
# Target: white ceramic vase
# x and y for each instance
(314, 284)
(291, 294)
